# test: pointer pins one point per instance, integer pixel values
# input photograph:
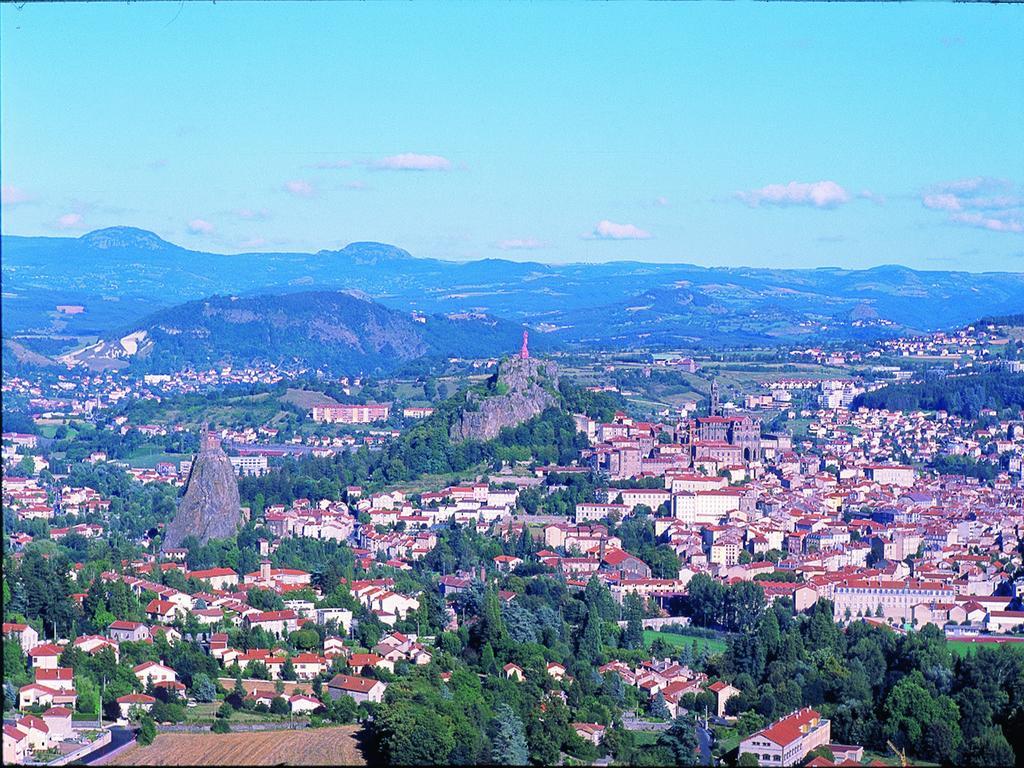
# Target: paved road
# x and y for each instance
(704, 741)
(118, 738)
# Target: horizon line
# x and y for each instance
(657, 263)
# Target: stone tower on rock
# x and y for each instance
(523, 388)
(210, 508)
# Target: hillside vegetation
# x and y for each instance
(960, 395)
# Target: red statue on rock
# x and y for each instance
(524, 353)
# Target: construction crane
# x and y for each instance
(901, 754)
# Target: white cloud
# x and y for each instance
(253, 214)
(200, 227)
(661, 202)
(942, 202)
(991, 222)
(965, 199)
(10, 195)
(70, 221)
(411, 161)
(299, 188)
(609, 230)
(818, 194)
(521, 244)
(253, 242)
(973, 186)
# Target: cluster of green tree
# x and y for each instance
(87, 438)
(1014, 320)
(239, 553)
(635, 482)
(478, 715)
(961, 395)
(427, 449)
(637, 535)
(734, 608)
(37, 588)
(236, 405)
(135, 508)
(15, 415)
(875, 685)
(966, 465)
(560, 494)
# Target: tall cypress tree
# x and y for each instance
(492, 626)
(633, 637)
(508, 746)
(590, 640)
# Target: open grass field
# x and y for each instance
(713, 645)
(646, 738)
(148, 455)
(966, 647)
(888, 758)
(50, 430)
(727, 739)
(311, 746)
(307, 398)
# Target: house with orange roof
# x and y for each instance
(61, 678)
(302, 702)
(134, 701)
(361, 661)
(45, 656)
(16, 745)
(592, 732)
(723, 692)
(23, 634)
(154, 672)
(513, 672)
(58, 720)
(37, 730)
(358, 688)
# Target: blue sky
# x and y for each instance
(746, 134)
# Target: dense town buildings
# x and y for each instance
(849, 511)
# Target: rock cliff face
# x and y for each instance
(519, 395)
(211, 508)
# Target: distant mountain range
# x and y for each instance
(120, 275)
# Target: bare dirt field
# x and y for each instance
(311, 746)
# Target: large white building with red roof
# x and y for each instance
(787, 741)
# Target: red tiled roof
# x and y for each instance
(352, 683)
(788, 729)
(135, 698)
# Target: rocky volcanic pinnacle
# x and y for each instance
(210, 508)
(522, 381)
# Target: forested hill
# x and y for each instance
(330, 329)
(961, 395)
